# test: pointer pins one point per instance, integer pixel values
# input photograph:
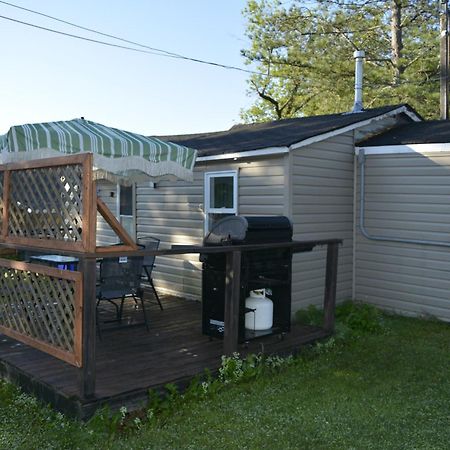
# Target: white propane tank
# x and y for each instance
(261, 315)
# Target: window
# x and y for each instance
(220, 196)
(126, 208)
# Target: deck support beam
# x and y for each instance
(232, 297)
(329, 301)
(87, 370)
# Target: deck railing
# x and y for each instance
(85, 304)
(49, 203)
(42, 307)
(46, 204)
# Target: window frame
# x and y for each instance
(207, 195)
(133, 216)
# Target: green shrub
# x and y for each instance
(359, 317)
(312, 315)
(351, 318)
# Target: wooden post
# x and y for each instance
(89, 205)
(115, 225)
(6, 194)
(232, 298)
(329, 301)
(87, 370)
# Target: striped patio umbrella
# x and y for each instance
(119, 156)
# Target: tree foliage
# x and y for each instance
(303, 54)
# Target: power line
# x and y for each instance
(146, 49)
(79, 37)
(90, 29)
(124, 47)
(403, 82)
(325, 33)
(166, 52)
(153, 52)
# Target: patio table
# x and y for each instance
(58, 261)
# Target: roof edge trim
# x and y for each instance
(421, 149)
(321, 137)
(261, 152)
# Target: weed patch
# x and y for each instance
(352, 319)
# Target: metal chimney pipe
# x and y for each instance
(359, 61)
(444, 60)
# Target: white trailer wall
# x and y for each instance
(407, 196)
(173, 212)
(322, 208)
(313, 186)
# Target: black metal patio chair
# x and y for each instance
(119, 280)
(149, 243)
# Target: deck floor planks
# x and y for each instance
(133, 359)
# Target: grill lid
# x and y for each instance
(251, 228)
(233, 228)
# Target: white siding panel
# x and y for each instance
(105, 190)
(173, 212)
(322, 208)
(407, 196)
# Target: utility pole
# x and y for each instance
(444, 60)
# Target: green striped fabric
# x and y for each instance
(117, 154)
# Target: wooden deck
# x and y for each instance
(130, 360)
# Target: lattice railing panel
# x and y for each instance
(46, 203)
(2, 177)
(41, 309)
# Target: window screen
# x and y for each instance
(126, 200)
(221, 192)
(220, 196)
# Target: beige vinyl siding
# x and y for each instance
(407, 196)
(173, 212)
(322, 208)
(105, 235)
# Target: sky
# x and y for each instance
(48, 77)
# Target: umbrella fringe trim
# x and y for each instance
(115, 169)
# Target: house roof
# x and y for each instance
(280, 133)
(434, 131)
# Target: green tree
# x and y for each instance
(303, 53)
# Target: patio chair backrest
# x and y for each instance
(148, 243)
(120, 275)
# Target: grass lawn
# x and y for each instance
(385, 390)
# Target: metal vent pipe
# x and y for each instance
(359, 61)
